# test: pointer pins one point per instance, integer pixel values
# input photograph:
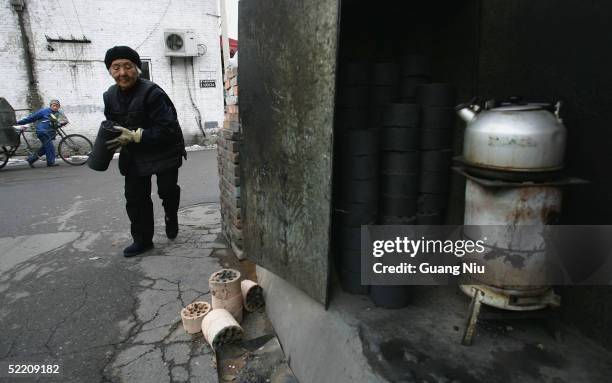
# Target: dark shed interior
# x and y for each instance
(541, 50)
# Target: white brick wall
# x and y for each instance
(13, 76)
(75, 73)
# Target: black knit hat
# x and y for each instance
(122, 52)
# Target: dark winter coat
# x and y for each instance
(146, 106)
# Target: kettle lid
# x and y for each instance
(516, 103)
(518, 107)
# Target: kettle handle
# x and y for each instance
(469, 104)
(558, 110)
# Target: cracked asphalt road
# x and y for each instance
(68, 296)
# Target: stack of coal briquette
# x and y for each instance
(399, 152)
(357, 171)
(414, 71)
(392, 142)
(437, 102)
(399, 156)
(384, 89)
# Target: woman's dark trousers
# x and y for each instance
(140, 207)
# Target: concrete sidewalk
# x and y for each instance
(71, 298)
(174, 274)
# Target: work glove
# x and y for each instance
(125, 138)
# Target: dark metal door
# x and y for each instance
(286, 76)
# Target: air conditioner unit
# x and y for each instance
(180, 43)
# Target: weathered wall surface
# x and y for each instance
(14, 79)
(75, 73)
(287, 83)
(228, 161)
(551, 49)
(320, 345)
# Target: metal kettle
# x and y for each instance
(513, 136)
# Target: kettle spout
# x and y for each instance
(468, 112)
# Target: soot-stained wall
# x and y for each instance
(559, 50)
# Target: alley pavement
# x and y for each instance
(68, 297)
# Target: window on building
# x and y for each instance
(146, 69)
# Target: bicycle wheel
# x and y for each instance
(4, 157)
(74, 149)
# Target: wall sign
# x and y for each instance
(207, 84)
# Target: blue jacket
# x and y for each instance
(44, 124)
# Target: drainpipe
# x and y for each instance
(224, 38)
(34, 98)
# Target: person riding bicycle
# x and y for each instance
(48, 120)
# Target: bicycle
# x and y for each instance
(73, 149)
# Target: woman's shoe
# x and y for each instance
(171, 226)
(136, 249)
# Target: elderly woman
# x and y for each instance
(151, 143)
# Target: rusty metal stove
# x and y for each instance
(492, 204)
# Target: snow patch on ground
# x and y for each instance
(15, 161)
(195, 148)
